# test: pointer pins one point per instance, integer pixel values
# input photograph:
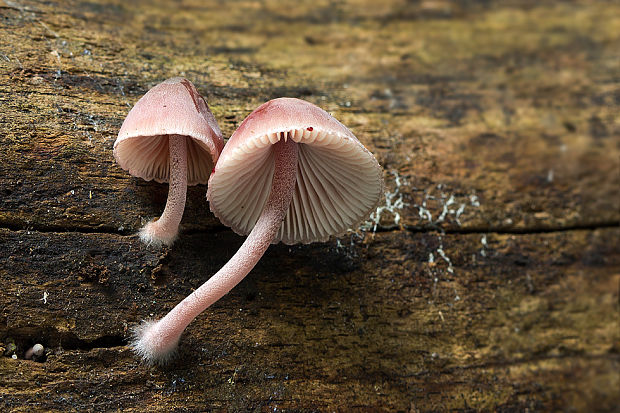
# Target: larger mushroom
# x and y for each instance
(170, 135)
(291, 173)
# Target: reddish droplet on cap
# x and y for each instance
(310, 128)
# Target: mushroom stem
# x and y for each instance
(156, 341)
(165, 229)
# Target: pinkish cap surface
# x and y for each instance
(339, 182)
(173, 107)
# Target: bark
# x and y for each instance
(487, 279)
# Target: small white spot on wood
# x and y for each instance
(393, 204)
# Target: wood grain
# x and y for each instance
(487, 280)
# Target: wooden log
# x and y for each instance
(478, 119)
(486, 280)
(498, 320)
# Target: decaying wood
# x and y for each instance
(487, 279)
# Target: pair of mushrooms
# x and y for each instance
(290, 172)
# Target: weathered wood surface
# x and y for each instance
(489, 279)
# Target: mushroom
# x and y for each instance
(35, 352)
(291, 173)
(170, 135)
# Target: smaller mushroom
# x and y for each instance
(34, 352)
(170, 135)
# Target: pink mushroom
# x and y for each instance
(170, 135)
(290, 173)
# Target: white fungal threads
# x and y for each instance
(483, 241)
(393, 205)
(452, 207)
(448, 204)
(443, 256)
(148, 342)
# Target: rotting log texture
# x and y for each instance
(487, 280)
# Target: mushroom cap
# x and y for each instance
(339, 182)
(173, 107)
(38, 350)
